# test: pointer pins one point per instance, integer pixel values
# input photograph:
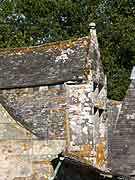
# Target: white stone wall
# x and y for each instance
(86, 126)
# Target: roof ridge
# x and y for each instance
(56, 44)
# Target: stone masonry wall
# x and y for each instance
(41, 110)
(22, 155)
(87, 126)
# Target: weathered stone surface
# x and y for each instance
(28, 158)
(10, 129)
(93, 61)
(42, 170)
(48, 64)
(4, 116)
(79, 111)
(47, 150)
(86, 126)
(12, 165)
(41, 111)
(123, 139)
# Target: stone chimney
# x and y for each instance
(93, 62)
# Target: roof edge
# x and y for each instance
(58, 44)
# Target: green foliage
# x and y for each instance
(32, 22)
(117, 42)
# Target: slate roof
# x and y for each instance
(39, 110)
(52, 63)
(123, 140)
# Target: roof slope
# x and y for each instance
(74, 169)
(42, 65)
(40, 110)
(123, 141)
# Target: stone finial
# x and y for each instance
(132, 77)
(92, 25)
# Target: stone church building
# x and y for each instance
(53, 98)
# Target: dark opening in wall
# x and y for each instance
(100, 112)
(100, 86)
(95, 85)
(95, 109)
(105, 116)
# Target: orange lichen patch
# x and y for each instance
(43, 168)
(114, 102)
(46, 162)
(100, 153)
(59, 99)
(56, 136)
(67, 130)
(67, 133)
(26, 146)
(82, 87)
(75, 154)
(85, 150)
(58, 110)
(83, 154)
(100, 104)
(47, 46)
(78, 155)
(87, 71)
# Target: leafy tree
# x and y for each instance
(117, 42)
